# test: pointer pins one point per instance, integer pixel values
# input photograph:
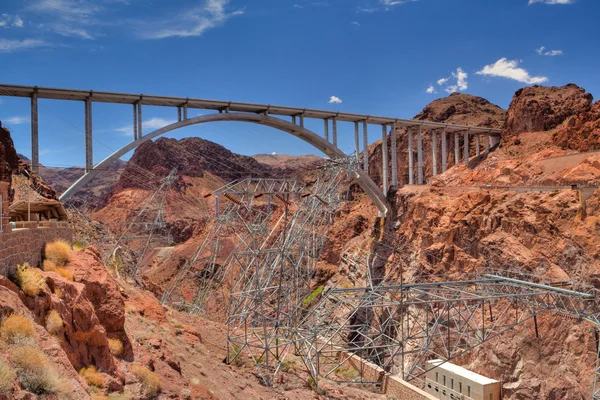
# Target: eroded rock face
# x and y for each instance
(9, 161)
(542, 108)
(580, 132)
(192, 157)
(13, 302)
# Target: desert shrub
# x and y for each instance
(49, 266)
(65, 273)
(30, 280)
(59, 252)
(151, 383)
(78, 246)
(16, 327)
(7, 377)
(311, 298)
(185, 393)
(93, 377)
(35, 371)
(54, 322)
(116, 347)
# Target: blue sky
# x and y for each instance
(379, 57)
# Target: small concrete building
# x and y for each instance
(447, 381)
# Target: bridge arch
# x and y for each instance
(362, 178)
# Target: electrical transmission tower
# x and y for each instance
(148, 228)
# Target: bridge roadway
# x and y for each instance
(260, 114)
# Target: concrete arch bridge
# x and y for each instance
(268, 115)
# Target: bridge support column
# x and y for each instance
(178, 114)
(494, 140)
(366, 147)
(444, 151)
(326, 129)
(487, 143)
(89, 154)
(393, 138)
(334, 125)
(135, 123)
(466, 148)
(185, 110)
(35, 144)
(456, 149)
(434, 151)
(356, 141)
(477, 145)
(139, 115)
(420, 154)
(411, 162)
(385, 164)
(302, 120)
(294, 120)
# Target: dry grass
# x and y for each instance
(35, 371)
(65, 273)
(49, 266)
(7, 377)
(93, 377)
(59, 252)
(54, 323)
(116, 347)
(151, 383)
(15, 327)
(30, 280)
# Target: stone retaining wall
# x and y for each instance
(391, 385)
(26, 244)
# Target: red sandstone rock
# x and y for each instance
(541, 108)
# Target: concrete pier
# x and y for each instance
(466, 147)
(411, 162)
(89, 154)
(477, 145)
(356, 141)
(326, 129)
(35, 144)
(444, 151)
(420, 155)
(434, 151)
(366, 146)
(456, 149)
(394, 156)
(487, 143)
(385, 164)
(334, 123)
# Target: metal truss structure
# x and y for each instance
(401, 327)
(257, 261)
(147, 229)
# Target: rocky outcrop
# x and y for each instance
(542, 108)
(193, 157)
(580, 132)
(9, 161)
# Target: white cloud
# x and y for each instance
(16, 120)
(442, 81)
(550, 53)
(298, 6)
(551, 1)
(192, 22)
(509, 69)
(461, 79)
(152, 123)
(356, 24)
(430, 89)
(334, 100)
(9, 45)
(71, 18)
(18, 22)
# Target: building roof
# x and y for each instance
(458, 370)
(37, 206)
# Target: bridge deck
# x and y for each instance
(219, 105)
